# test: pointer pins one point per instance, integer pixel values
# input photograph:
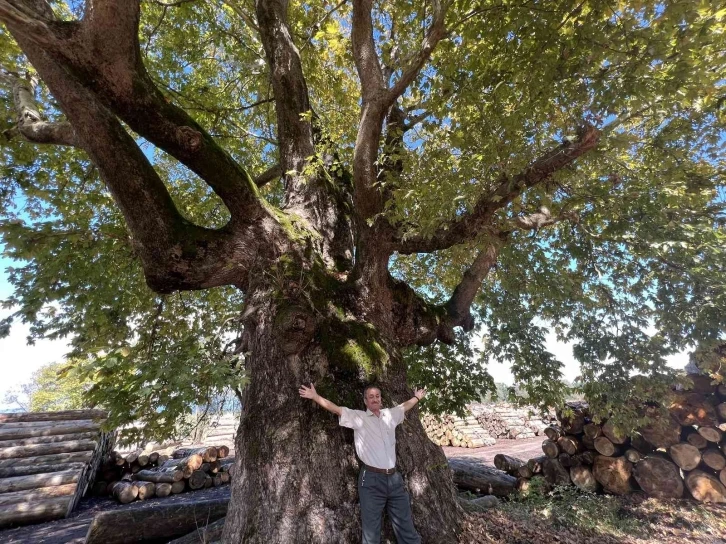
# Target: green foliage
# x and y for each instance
(455, 375)
(53, 387)
(640, 276)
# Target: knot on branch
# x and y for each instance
(189, 138)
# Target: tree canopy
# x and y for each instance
(547, 163)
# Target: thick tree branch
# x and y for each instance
(436, 32)
(294, 116)
(506, 189)
(174, 253)
(102, 52)
(30, 124)
(364, 52)
(458, 306)
(271, 174)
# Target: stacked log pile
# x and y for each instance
(505, 420)
(683, 456)
(47, 461)
(455, 431)
(141, 475)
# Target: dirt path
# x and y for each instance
(73, 530)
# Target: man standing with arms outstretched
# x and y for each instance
(379, 484)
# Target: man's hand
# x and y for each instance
(308, 392)
(418, 394)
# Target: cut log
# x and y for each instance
(633, 455)
(585, 458)
(553, 433)
(639, 443)
(592, 430)
(162, 490)
(35, 450)
(143, 459)
(45, 510)
(550, 449)
(472, 474)
(582, 477)
(605, 447)
(508, 463)
(705, 487)
(555, 473)
(187, 464)
(613, 473)
(222, 452)
(701, 384)
(713, 459)
(659, 478)
(37, 494)
(196, 480)
(208, 482)
(711, 434)
(587, 442)
(39, 469)
(178, 487)
(225, 476)
(207, 453)
(692, 409)
(92, 435)
(64, 415)
(614, 434)
(159, 476)
(662, 434)
(154, 523)
(210, 533)
(695, 439)
(44, 424)
(535, 464)
(49, 430)
(685, 455)
(569, 444)
(145, 490)
(574, 421)
(722, 476)
(20, 483)
(721, 411)
(567, 460)
(125, 492)
(55, 459)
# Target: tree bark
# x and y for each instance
(45, 510)
(293, 460)
(154, 523)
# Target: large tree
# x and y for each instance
(338, 182)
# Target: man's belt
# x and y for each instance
(380, 470)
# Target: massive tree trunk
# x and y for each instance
(296, 467)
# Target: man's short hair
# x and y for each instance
(365, 391)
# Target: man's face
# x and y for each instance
(372, 399)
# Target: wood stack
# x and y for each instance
(140, 475)
(505, 420)
(681, 456)
(47, 460)
(454, 431)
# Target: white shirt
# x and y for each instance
(375, 437)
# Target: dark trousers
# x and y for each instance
(378, 491)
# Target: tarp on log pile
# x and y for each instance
(47, 462)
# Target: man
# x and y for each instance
(379, 485)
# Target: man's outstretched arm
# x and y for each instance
(310, 393)
(418, 394)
